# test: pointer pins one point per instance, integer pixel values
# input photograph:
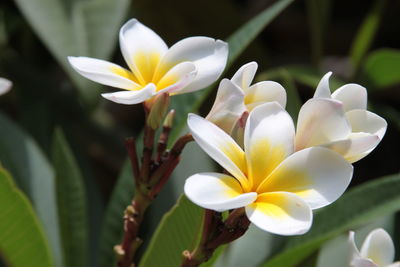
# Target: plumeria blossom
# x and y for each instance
(189, 65)
(277, 186)
(377, 250)
(5, 86)
(236, 96)
(339, 121)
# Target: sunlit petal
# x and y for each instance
(209, 56)
(317, 175)
(104, 72)
(266, 91)
(142, 49)
(323, 90)
(321, 121)
(268, 140)
(131, 97)
(245, 75)
(280, 213)
(355, 147)
(353, 96)
(219, 146)
(378, 246)
(228, 106)
(5, 86)
(217, 191)
(366, 122)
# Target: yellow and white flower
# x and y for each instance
(5, 86)
(339, 121)
(277, 186)
(237, 95)
(189, 65)
(377, 250)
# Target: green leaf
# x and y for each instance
(112, 228)
(76, 28)
(22, 241)
(381, 68)
(368, 201)
(34, 175)
(366, 34)
(171, 237)
(72, 208)
(238, 42)
(318, 14)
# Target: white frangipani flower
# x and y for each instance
(277, 187)
(237, 95)
(339, 121)
(5, 85)
(189, 65)
(377, 250)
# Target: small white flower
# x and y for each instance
(237, 95)
(5, 86)
(277, 186)
(376, 251)
(189, 65)
(339, 121)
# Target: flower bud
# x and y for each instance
(158, 110)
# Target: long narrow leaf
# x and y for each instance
(34, 175)
(71, 203)
(22, 241)
(166, 247)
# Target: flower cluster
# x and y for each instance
(277, 172)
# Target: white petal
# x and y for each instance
(323, 90)
(263, 92)
(378, 246)
(209, 56)
(318, 175)
(177, 78)
(280, 213)
(353, 96)
(268, 140)
(321, 121)
(355, 147)
(228, 106)
(366, 122)
(354, 252)
(245, 75)
(142, 49)
(217, 191)
(104, 72)
(132, 97)
(395, 264)
(219, 146)
(5, 86)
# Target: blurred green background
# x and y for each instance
(63, 143)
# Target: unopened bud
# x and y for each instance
(158, 110)
(169, 119)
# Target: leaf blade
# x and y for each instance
(71, 200)
(22, 240)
